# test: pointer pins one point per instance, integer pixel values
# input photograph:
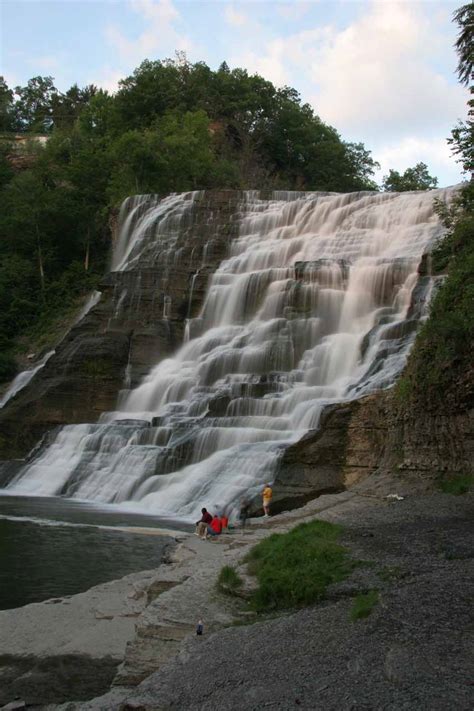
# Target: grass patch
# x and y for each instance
(229, 581)
(294, 569)
(364, 604)
(457, 485)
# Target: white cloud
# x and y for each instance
(234, 17)
(382, 78)
(435, 152)
(375, 74)
(159, 36)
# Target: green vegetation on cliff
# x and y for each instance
(171, 126)
(440, 371)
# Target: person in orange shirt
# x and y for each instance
(224, 523)
(267, 494)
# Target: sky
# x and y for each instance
(379, 71)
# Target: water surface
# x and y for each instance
(52, 547)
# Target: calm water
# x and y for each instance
(54, 547)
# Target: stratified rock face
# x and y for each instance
(347, 448)
(139, 320)
(230, 323)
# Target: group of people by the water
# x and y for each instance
(210, 526)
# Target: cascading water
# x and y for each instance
(313, 306)
(22, 379)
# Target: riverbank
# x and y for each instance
(412, 651)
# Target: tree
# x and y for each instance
(66, 108)
(33, 107)
(464, 44)
(416, 178)
(462, 136)
(7, 121)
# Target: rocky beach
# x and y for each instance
(137, 635)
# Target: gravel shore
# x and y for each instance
(414, 651)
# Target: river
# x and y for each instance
(51, 547)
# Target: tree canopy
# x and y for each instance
(416, 178)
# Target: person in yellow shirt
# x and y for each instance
(267, 494)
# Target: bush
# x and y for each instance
(364, 604)
(294, 569)
(439, 370)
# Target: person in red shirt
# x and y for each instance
(215, 527)
(202, 524)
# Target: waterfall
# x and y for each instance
(317, 303)
(22, 379)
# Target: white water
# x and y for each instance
(25, 377)
(22, 379)
(312, 306)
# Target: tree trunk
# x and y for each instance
(40, 258)
(86, 258)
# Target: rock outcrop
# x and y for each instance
(359, 438)
(347, 447)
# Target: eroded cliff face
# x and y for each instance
(139, 320)
(374, 435)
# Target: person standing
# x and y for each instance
(267, 494)
(244, 512)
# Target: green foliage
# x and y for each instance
(34, 106)
(6, 106)
(294, 569)
(364, 604)
(464, 18)
(416, 178)
(439, 373)
(457, 485)
(229, 581)
(403, 390)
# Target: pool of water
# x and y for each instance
(52, 547)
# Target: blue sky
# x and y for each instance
(380, 71)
